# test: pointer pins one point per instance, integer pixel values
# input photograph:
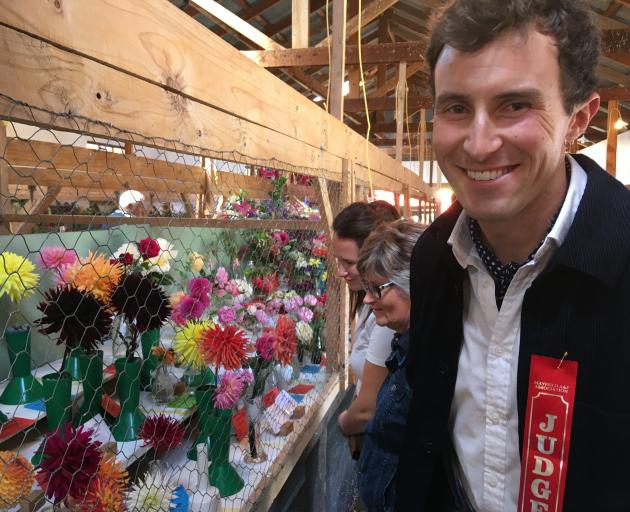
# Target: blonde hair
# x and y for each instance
(387, 252)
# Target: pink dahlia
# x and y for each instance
(55, 258)
(229, 390)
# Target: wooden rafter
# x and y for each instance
(414, 103)
(391, 84)
(306, 57)
(368, 14)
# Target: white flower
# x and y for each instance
(128, 248)
(161, 262)
(304, 332)
(301, 262)
(244, 287)
(154, 494)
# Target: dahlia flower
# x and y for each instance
(161, 432)
(229, 390)
(94, 274)
(186, 343)
(70, 461)
(265, 345)
(17, 276)
(16, 479)
(79, 318)
(153, 494)
(55, 258)
(304, 332)
(162, 262)
(285, 340)
(224, 346)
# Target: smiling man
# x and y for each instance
(522, 288)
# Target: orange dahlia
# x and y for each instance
(96, 274)
(16, 479)
(106, 491)
(285, 342)
(224, 346)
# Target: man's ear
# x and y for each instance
(582, 116)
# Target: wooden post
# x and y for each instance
(400, 108)
(5, 197)
(407, 206)
(422, 147)
(300, 13)
(338, 56)
(611, 137)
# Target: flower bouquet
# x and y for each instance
(18, 279)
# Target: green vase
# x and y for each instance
(148, 340)
(58, 399)
(204, 396)
(73, 364)
(22, 387)
(92, 371)
(221, 473)
(3, 418)
(130, 419)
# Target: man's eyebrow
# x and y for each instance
(449, 96)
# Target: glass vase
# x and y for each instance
(162, 385)
(254, 408)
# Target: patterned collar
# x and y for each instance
(503, 274)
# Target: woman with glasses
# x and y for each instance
(384, 268)
(371, 345)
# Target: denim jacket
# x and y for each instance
(384, 433)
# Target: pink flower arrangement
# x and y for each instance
(292, 303)
(55, 258)
(310, 300)
(305, 314)
(199, 287)
(265, 345)
(273, 307)
(281, 238)
(227, 315)
(261, 316)
(221, 277)
(189, 308)
(229, 390)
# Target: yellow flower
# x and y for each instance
(16, 479)
(186, 342)
(17, 276)
(313, 262)
(196, 261)
(94, 274)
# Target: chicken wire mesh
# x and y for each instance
(169, 327)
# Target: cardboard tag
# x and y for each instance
(547, 435)
(110, 406)
(239, 421)
(270, 397)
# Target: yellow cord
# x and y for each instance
(329, 60)
(367, 112)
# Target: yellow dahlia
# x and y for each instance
(16, 479)
(17, 276)
(95, 274)
(186, 343)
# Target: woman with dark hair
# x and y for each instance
(372, 343)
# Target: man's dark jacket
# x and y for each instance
(579, 304)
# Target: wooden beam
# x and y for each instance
(614, 93)
(308, 57)
(300, 14)
(400, 107)
(160, 87)
(611, 138)
(414, 102)
(368, 14)
(216, 11)
(423, 133)
(39, 208)
(250, 12)
(612, 8)
(338, 56)
(616, 45)
(392, 83)
(391, 127)
(5, 197)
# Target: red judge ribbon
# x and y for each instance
(547, 434)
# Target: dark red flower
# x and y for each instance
(161, 432)
(70, 461)
(266, 284)
(126, 258)
(265, 345)
(149, 248)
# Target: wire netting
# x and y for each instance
(169, 327)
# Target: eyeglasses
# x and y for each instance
(376, 290)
